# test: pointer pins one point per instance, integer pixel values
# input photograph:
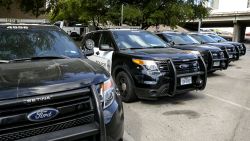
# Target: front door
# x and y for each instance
(104, 58)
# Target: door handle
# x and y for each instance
(97, 53)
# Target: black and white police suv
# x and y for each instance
(142, 64)
(49, 90)
(214, 57)
(241, 48)
(205, 39)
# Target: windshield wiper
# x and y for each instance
(156, 47)
(181, 44)
(39, 58)
(137, 48)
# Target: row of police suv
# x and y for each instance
(148, 66)
(50, 90)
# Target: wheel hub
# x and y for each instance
(124, 86)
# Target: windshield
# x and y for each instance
(203, 38)
(181, 39)
(18, 44)
(137, 39)
(218, 38)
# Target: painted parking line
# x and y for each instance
(228, 102)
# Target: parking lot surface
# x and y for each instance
(219, 113)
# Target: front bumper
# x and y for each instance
(217, 63)
(234, 55)
(168, 84)
(115, 127)
(87, 132)
(243, 50)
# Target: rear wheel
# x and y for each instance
(125, 85)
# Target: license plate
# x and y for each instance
(230, 56)
(216, 64)
(186, 80)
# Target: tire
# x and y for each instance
(126, 87)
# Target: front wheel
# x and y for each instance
(125, 85)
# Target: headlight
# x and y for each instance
(215, 55)
(148, 64)
(196, 52)
(107, 93)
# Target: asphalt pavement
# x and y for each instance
(221, 112)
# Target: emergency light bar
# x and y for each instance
(28, 21)
(120, 27)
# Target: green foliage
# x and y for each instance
(136, 12)
(5, 3)
(37, 7)
(80, 10)
(132, 15)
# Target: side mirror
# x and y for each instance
(202, 42)
(88, 47)
(219, 41)
(106, 47)
(172, 43)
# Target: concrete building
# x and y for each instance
(229, 5)
(227, 13)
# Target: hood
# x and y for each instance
(160, 54)
(232, 43)
(221, 45)
(198, 47)
(47, 76)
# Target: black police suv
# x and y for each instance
(241, 48)
(214, 57)
(143, 66)
(205, 39)
(49, 90)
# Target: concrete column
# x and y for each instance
(239, 32)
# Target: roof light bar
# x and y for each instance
(28, 21)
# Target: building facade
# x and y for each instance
(229, 5)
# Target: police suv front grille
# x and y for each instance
(75, 108)
(47, 129)
(189, 66)
(163, 66)
(217, 55)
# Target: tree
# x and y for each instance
(5, 3)
(136, 12)
(80, 10)
(37, 7)
(167, 12)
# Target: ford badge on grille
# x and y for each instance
(43, 114)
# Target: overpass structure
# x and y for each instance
(239, 20)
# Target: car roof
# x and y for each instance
(170, 32)
(111, 30)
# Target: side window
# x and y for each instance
(106, 40)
